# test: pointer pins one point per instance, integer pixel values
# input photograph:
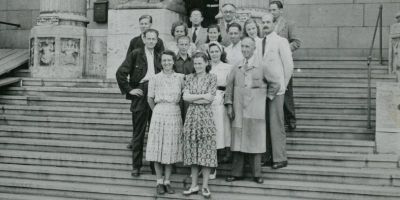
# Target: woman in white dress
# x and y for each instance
(179, 29)
(220, 68)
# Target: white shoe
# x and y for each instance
(191, 190)
(213, 175)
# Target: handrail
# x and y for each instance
(11, 24)
(369, 59)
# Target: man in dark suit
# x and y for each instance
(145, 22)
(197, 34)
(140, 65)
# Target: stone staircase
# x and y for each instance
(66, 139)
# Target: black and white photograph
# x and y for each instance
(200, 99)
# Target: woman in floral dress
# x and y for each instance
(199, 139)
(164, 143)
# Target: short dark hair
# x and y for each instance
(170, 53)
(277, 3)
(229, 4)
(146, 16)
(223, 53)
(234, 24)
(247, 22)
(204, 56)
(218, 29)
(196, 9)
(150, 30)
(176, 24)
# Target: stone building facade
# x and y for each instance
(328, 28)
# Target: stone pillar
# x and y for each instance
(123, 25)
(387, 134)
(394, 48)
(58, 41)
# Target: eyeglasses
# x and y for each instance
(228, 12)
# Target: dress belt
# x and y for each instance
(221, 88)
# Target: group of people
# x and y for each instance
(223, 87)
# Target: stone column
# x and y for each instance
(123, 25)
(58, 41)
(387, 134)
(394, 49)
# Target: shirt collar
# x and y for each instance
(149, 52)
(180, 57)
(251, 62)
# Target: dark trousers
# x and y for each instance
(238, 163)
(141, 114)
(276, 135)
(288, 106)
(139, 122)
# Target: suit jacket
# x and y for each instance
(287, 30)
(201, 36)
(278, 61)
(135, 67)
(137, 42)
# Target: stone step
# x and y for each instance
(332, 132)
(122, 157)
(333, 120)
(354, 176)
(67, 122)
(344, 76)
(58, 111)
(63, 92)
(18, 196)
(221, 190)
(78, 83)
(116, 146)
(67, 134)
(334, 98)
(65, 101)
(333, 109)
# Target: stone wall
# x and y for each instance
(327, 27)
(22, 12)
(340, 27)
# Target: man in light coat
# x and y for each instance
(245, 98)
(277, 56)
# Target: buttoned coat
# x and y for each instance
(132, 70)
(201, 37)
(249, 125)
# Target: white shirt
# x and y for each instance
(234, 54)
(150, 65)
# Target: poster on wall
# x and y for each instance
(70, 48)
(46, 51)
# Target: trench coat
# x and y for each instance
(248, 100)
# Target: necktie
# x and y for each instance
(194, 35)
(263, 45)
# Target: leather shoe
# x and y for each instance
(169, 189)
(160, 189)
(278, 165)
(233, 178)
(135, 172)
(258, 180)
